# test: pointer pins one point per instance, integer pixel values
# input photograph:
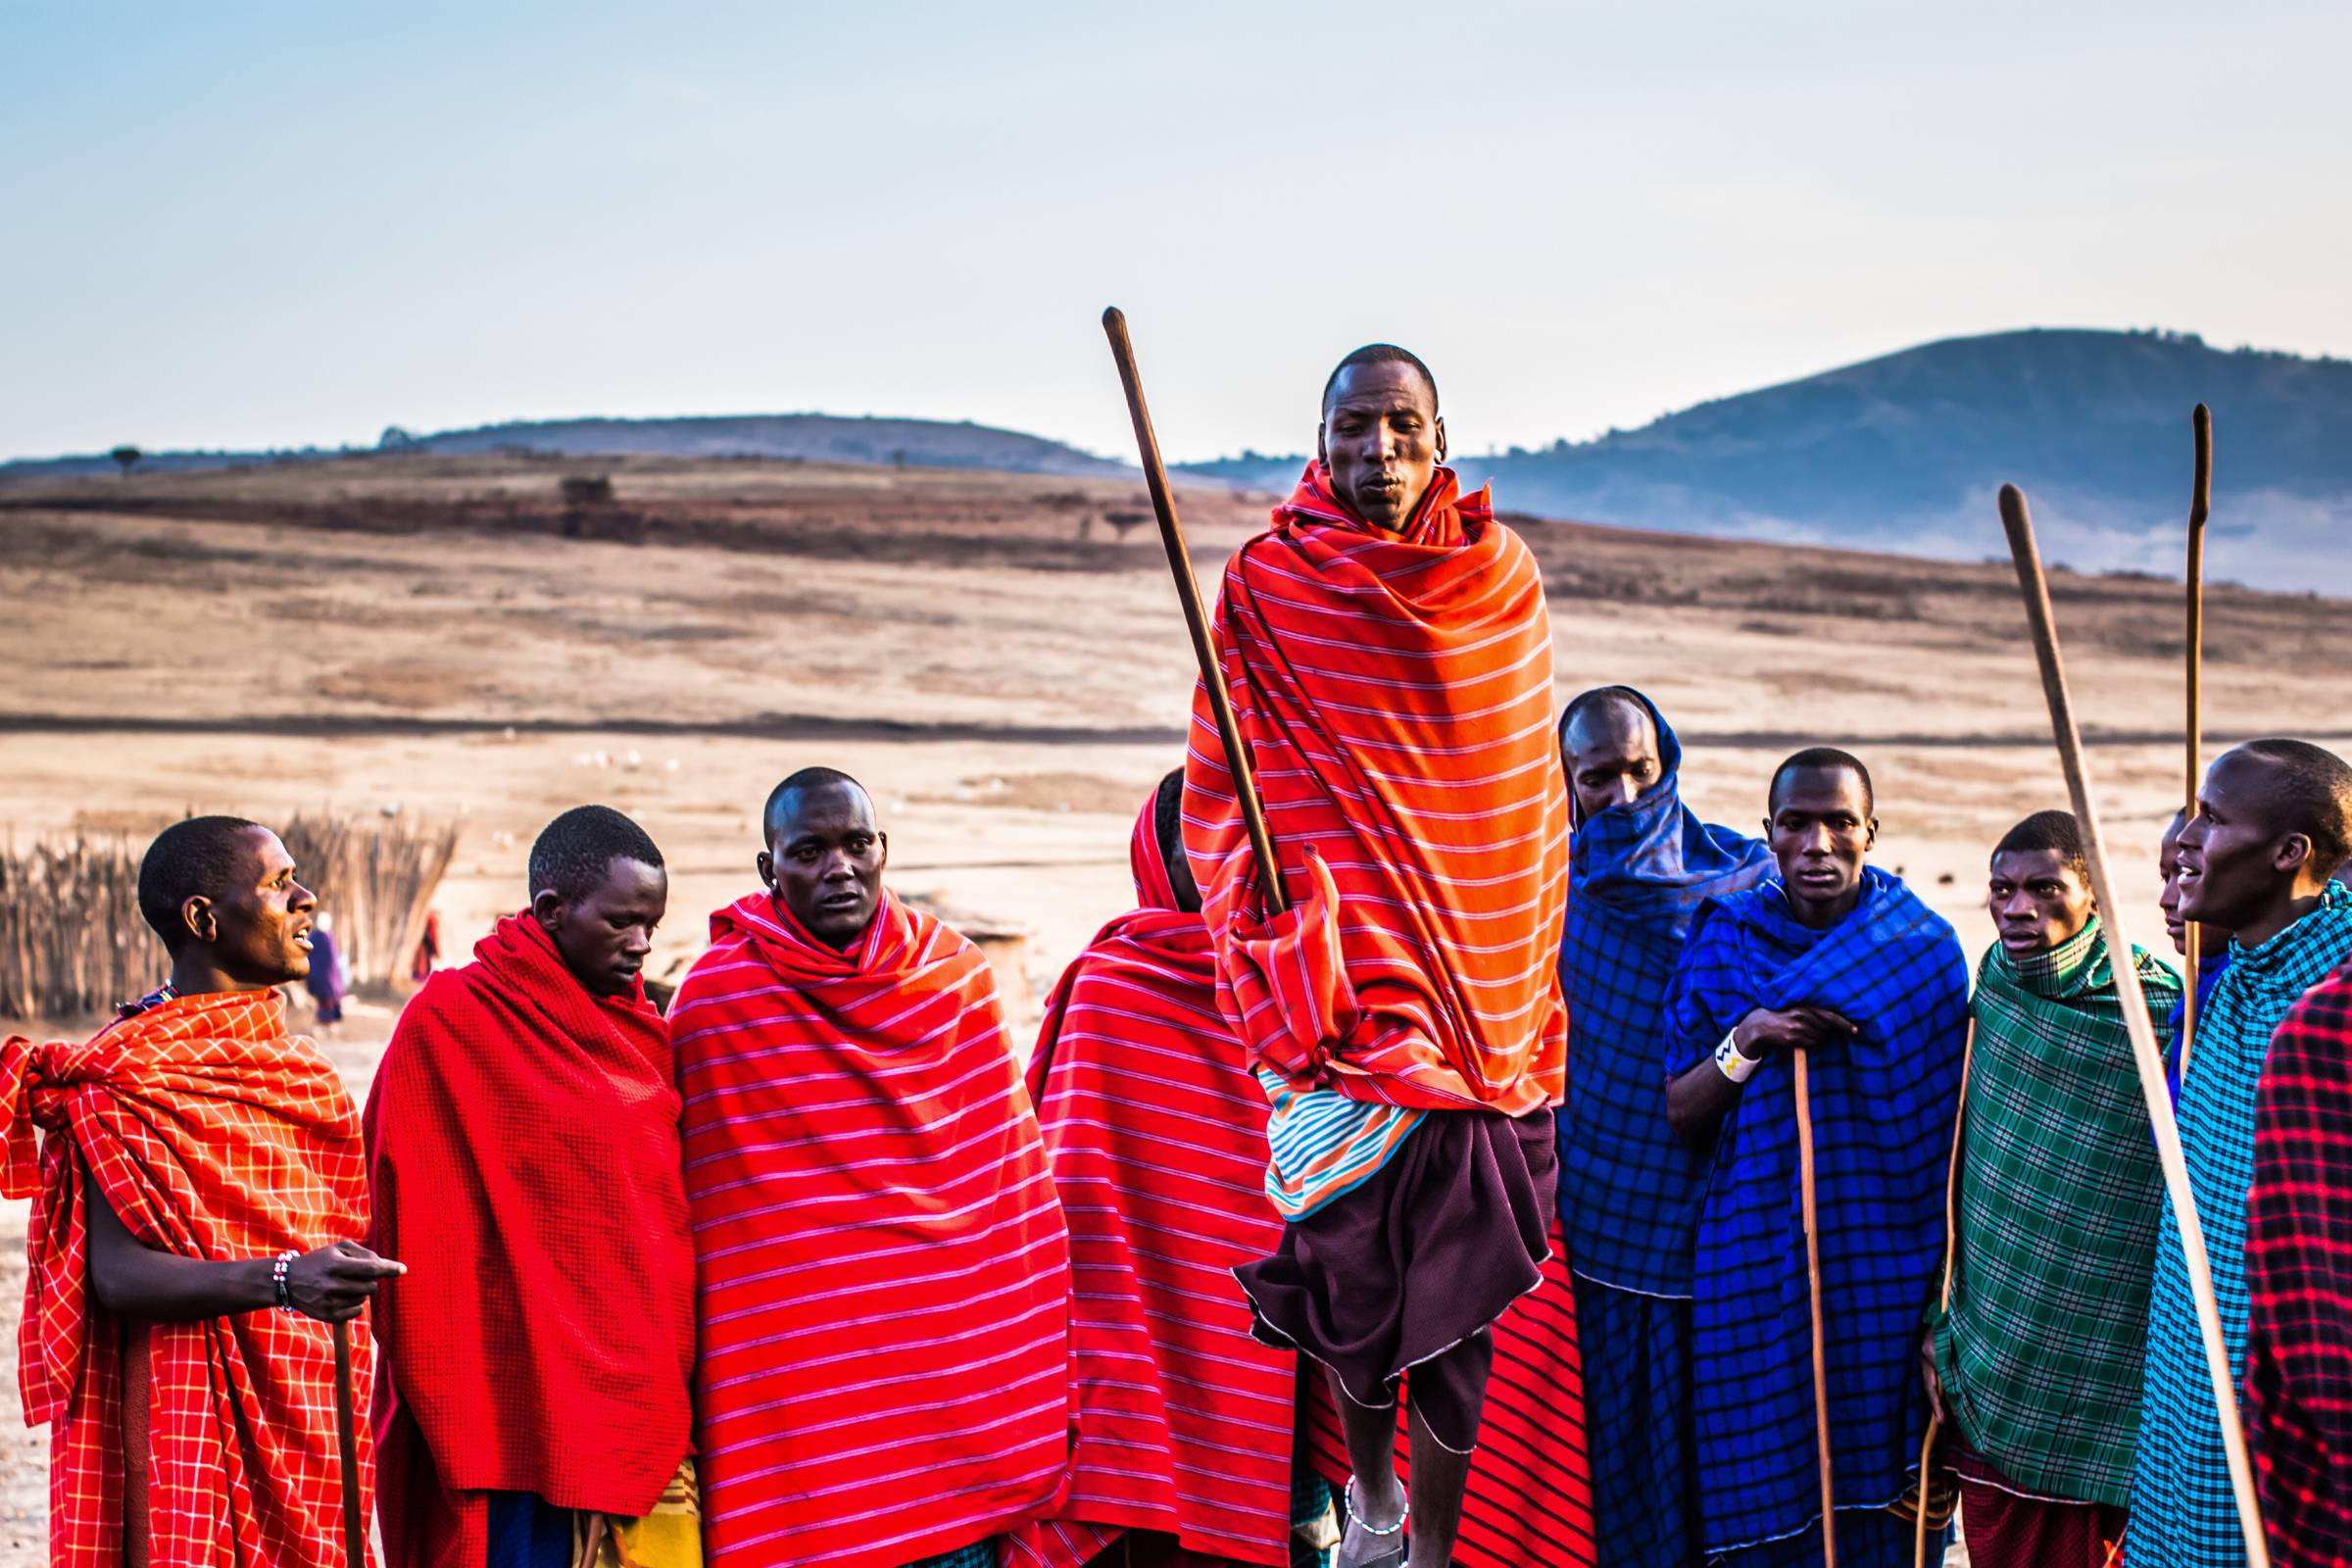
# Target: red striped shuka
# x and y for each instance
(212, 1133)
(883, 1273)
(1157, 1134)
(2298, 1386)
(1395, 694)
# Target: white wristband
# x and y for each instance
(1733, 1065)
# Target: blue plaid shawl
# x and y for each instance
(1638, 873)
(1884, 1106)
(2183, 1511)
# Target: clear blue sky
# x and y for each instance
(244, 224)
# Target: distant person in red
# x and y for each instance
(1389, 657)
(199, 1190)
(522, 1149)
(428, 947)
(883, 1285)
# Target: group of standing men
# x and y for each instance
(1485, 1115)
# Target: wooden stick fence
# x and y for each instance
(72, 943)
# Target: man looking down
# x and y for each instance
(883, 1274)
(522, 1139)
(1640, 865)
(1840, 959)
(1390, 659)
(199, 1188)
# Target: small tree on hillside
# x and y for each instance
(127, 458)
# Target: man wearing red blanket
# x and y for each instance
(1390, 659)
(198, 1187)
(522, 1144)
(1157, 1134)
(883, 1287)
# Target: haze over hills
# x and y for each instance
(1900, 453)
(807, 437)
(1906, 453)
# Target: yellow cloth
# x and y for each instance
(670, 1537)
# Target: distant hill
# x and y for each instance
(812, 437)
(809, 437)
(1901, 453)
(1906, 452)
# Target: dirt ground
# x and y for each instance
(1000, 658)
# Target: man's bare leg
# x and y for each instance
(1441, 1476)
(1375, 1504)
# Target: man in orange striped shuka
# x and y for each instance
(882, 1270)
(198, 1181)
(1390, 659)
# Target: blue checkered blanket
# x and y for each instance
(1884, 1106)
(2184, 1513)
(1638, 873)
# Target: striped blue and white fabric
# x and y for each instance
(2183, 1511)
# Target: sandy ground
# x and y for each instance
(1000, 658)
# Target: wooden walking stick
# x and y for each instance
(1821, 1366)
(347, 1446)
(2150, 1060)
(2200, 498)
(1196, 620)
(1952, 1253)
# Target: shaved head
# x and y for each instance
(1381, 354)
(782, 799)
(2309, 791)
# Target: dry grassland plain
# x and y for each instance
(1000, 658)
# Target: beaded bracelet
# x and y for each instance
(277, 1278)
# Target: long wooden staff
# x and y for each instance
(1952, 1253)
(1196, 620)
(2200, 500)
(2036, 590)
(1821, 1365)
(347, 1446)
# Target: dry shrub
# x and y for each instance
(377, 876)
(70, 938)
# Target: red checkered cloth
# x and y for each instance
(214, 1134)
(1157, 1132)
(523, 1143)
(2298, 1387)
(884, 1291)
(1395, 693)
(1528, 1502)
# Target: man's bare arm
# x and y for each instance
(131, 1279)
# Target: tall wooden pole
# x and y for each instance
(347, 1452)
(1944, 1301)
(2200, 500)
(2144, 1051)
(1196, 618)
(1821, 1364)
